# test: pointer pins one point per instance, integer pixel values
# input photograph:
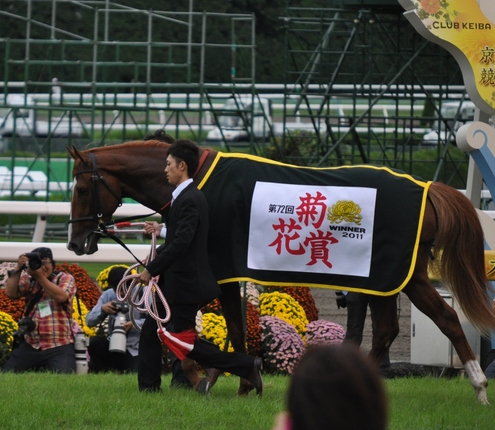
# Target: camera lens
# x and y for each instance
(34, 264)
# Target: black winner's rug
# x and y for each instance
(350, 228)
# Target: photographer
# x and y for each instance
(45, 340)
(101, 358)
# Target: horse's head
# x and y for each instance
(105, 175)
(95, 197)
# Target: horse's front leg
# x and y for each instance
(427, 299)
(385, 325)
(230, 300)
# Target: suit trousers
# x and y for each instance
(208, 355)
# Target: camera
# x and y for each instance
(26, 325)
(34, 262)
(80, 342)
(118, 339)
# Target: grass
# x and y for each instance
(110, 401)
(443, 404)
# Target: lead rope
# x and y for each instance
(129, 287)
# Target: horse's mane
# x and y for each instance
(131, 145)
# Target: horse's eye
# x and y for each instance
(82, 191)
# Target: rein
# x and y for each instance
(129, 290)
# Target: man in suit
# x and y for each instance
(187, 281)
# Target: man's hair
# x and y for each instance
(115, 275)
(337, 387)
(44, 252)
(187, 151)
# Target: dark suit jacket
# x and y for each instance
(182, 261)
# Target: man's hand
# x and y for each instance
(42, 272)
(109, 308)
(151, 227)
(145, 277)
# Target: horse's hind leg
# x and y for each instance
(385, 325)
(232, 309)
(426, 298)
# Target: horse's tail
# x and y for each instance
(459, 247)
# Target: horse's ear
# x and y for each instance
(74, 153)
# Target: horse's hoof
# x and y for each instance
(203, 387)
(255, 377)
(244, 388)
(212, 375)
(481, 396)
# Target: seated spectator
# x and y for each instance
(101, 359)
(335, 387)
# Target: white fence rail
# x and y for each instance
(107, 253)
(9, 251)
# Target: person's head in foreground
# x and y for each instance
(335, 387)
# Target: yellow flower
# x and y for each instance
(81, 319)
(102, 278)
(285, 307)
(215, 330)
(7, 328)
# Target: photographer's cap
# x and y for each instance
(44, 253)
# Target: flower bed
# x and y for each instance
(277, 328)
(280, 321)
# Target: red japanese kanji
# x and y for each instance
(284, 236)
(312, 209)
(319, 247)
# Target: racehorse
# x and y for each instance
(448, 227)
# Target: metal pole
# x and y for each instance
(54, 16)
(201, 70)
(189, 40)
(107, 17)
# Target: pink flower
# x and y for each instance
(430, 6)
(324, 332)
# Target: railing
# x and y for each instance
(107, 253)
(9, 251)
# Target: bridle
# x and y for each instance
(96, 179)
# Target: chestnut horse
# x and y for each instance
(105, 175)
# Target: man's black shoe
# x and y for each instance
(255, 376)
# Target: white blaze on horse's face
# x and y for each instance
(69, 233)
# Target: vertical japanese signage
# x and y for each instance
(318, 229)
(466, 28)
